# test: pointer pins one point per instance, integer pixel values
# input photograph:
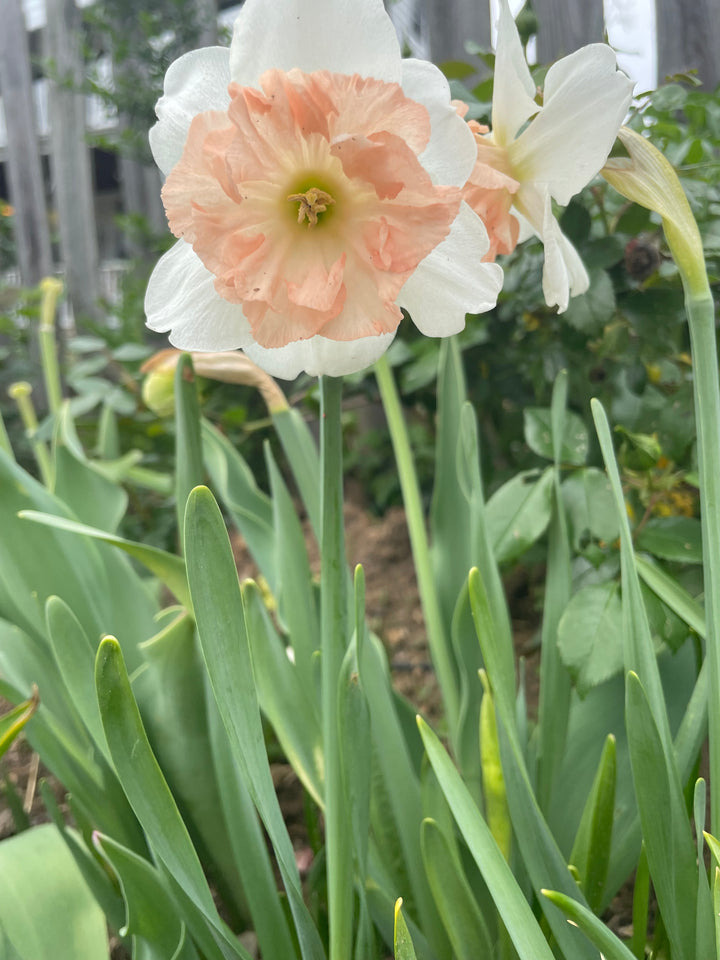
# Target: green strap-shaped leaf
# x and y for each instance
(287, 701)
(593, 928)
(188, 444)
(522, 927)
(665, 827)
(555, 687)
(404, 949)
(250, 508)
(93, 497)
(46, 910)
(223, 636)
(591, 850)
(295, 595)
(167, 568)
(455, 900)
(540, 852)
(75, 657)
(175, 716)
(249, 848)
(672, 594)
(12, 722)
(94, 873)
(640, 907)
(149, 795)
(152, 918)
(302, 455)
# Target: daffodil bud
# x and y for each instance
(648, 178)
(231, 367)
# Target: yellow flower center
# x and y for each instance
(311, 204)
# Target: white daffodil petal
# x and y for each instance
(342, 36)
(564, 274)
(319, 356)
(451, 153)
(196, 82)
(513, 87)
(181, 298)
(566, 145)
(452, 281)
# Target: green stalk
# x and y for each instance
(437, 638)
(51, 290)
(701, 320)
(333, 580)
(21, 392)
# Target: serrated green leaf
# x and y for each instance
(672, 538)
(589, 312)
(590, 635)
(539, 437)
(589, 502)
(518, 513)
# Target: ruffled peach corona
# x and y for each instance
(314, 180)
(491, 189)
(306, 208)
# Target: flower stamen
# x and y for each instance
(311, 203)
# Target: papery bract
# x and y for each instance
(538, 152)
(315, 186)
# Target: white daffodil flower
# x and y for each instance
(538, 152)
(314, 182)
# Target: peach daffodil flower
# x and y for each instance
(313, 178)
(537, 152)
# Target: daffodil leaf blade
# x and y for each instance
(188, 442)
(594, 929)
(226, 650)
(456, 903)
(47, 912)
(153, 803)
(151, 915)
(522, 927)
(668, 838)
(168, 568)
(251, 509)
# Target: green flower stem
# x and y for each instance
(51, 290)
(333, 581)
(701, 319)
(437, 638)
(21, 392)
